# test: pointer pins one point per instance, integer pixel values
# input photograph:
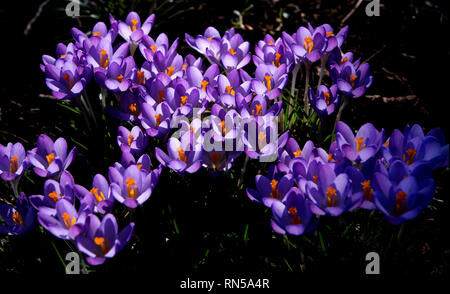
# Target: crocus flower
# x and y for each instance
(102, 55)
(156, 122)
(19, 220)
(292, 216)
(361, 147)
(403, 201)
(206, 82)
(102, 240)
(211, 40)
(133, 187)
(362, 183)
(306, 45)
(50, 159)
(133, 141)
(333, 41)
(229, 87)
(13, 161)
(130, 108)
(269, 51)
(53, 192)
(101, 191)
(68, 80)
(234, 53)
(68, 223)
(181, 156)
(270, 190)
(324, 102)
(218, 161)
(116, 77)
(331, 194)
(352, 81)
(258, 107)
(132, 30)
(269, 80)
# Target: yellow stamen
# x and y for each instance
(131, 188)
(327, 97)
(66, 217)
(130, 139)
(268, 82)
(14, 164)
(161, 96)
(158, 119)
(295, 220)
(400, 202)
(308, 44)
(103, 243)
(69, 83)
(368, 192)
(97, 34)
(169, 70)
(204, 84)
(230, 90)
(181, 154)
(134, 22)
(331, 197)
(183, 100)
(104, 61)
(17, 218)
(232, 51)
(50, 158)
(140, 77)
(297, 153)
(120, 78)
(133, 109)
(100, 197)
(359, 143)
(274, 194)
(262, 140)
(411, 154)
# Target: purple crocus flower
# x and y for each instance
(333, 41)
(270, 190)
(206, 82)
(181, 156)
(331, 194)
(134, 186)
(104, 200)
(403, 201)
(258, 107)
(234, 52)
(68, 80)
(133, 141)
(231, 93)
(306, 45)
(102, 240)
(269, 80)
(292, 216)
(19, 220)
(132, 30)
(130, 108)
(361, 147)
(13, 161)
(352, 81)
(269, 51)
(117, 76)
(156, 122)
(53, 192)
(68, 223)
(50, 159)
(362, 183)
(102, 55)
(325, 101)
(211, 40)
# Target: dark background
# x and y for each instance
(199, 226)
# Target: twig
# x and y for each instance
(374, 54)
(13, 135)
(38, 13)
(351, 12)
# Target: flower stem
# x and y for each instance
(241, 178)
(323, 62)
(14, 185)
(305, 95)
(338, 116)
(294, 79)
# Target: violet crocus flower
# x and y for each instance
(53, 192)
(102, 55)
(231, 93)
(132, 30)
(133, 187)
(102, 240)
(325, 101)
(101, 191)
(258, 107)
(130, 108)
(50, 159)
(218, 161)
(234, 52)
(333, 41)
(269, 51)
(13, 161)
(361, 147)
(19, 220)
(352, 81)
(133, 141)
(362, 183)
(331, 194)
(211, 40)
(116, 77)
(293, 215)
(68, 223)
(307, 46)
(269, 80)
(270, 190)
(68, 80)
(206, 82)
(156, 121)
(403, 201)
(181, 156)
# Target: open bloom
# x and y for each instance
(50, 159)
(292, 215)
(116, 77)
(269, 80)
(133, 187)
(67, 80)
(13, 161)
(403, 201)
(53, 192)
(306, 45)
(101, 191)
(133, 141)
(68, 223)
(270, 190)
(325, 101)
(132, 30)
(361, 147)
(181, 156)
(352, 81)
(102, 240)
(19, 220)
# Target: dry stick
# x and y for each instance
(38, 13)
(351, 12)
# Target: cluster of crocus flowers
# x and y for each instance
(366, 171)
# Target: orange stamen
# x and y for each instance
(331, 197)
(204, 84)
(104, 61)
(14, 164)
(104, 246)
(181, 154)
(411, 154)
(133, 109)
(268, 82)
(131, 188)
(169, 70)
(232, 51)
(161, 96)
(359, 143)
(308, 44)
(327, 97)
(100, 197)
(274, 194)
(66, 217)
(183, 100)
(134, 22)
(368, 192)
(50, 158)
(295, 220)
(158, 119)
(400, 202)
(17, 218)
(140, 77)
(297, 153)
